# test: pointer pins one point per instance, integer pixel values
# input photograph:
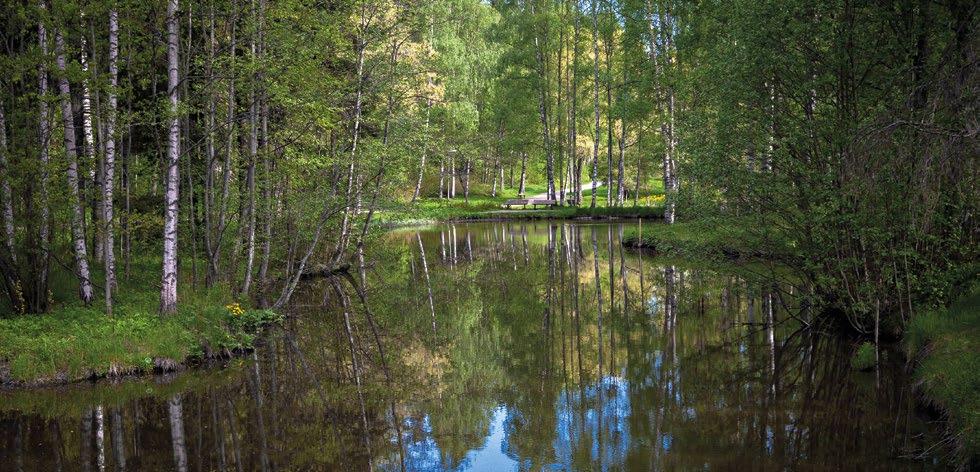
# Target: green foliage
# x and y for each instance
(864, 357)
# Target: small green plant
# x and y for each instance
(865, 357)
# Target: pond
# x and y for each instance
(503, 346)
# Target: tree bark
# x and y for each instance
(5, 195)
(521, 189)
(38, 296)
(543, 112)
(253, 150)
(425, 148)
(78, 212)
(595, 90)
(110, 160)
(574, 166)
(168, 289)
(93, 158)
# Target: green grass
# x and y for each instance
(429, 210)
(74, 342)
(711, 240)
(948, 344)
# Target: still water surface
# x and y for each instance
(506, 346)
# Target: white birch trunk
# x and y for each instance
(108, 181)
(168, 288)
(8, 207)
(77, 219)
(595, 96)
(91, 155)
(425, 148)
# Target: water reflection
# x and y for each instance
(500, 346)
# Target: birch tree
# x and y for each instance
(38, 296)
(168, 288)
(108, 181)
(71, 153)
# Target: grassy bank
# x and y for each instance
(946, 344)
(483, 207)
(75, 342)
(713, 240)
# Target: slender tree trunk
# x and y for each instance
(425, 149)
(8, 206)
(93, 158)
(466, 178)
(230, 146)
(574, 162)
(355, 134)
(209, 247)
(543, 112)
(253, 150)
(38, 297)
(609, 121)
(452, 175)
(168, 289)
(78, 212)
(110, 160)
(442, 175)
(595, 90)
(521, 189)
(188, 145)
(621, 173)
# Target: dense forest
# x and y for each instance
(248, 138)
(176, 174)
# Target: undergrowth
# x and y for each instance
(74, 341)
(947, 342)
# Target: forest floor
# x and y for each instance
(76, 342)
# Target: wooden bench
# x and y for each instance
(524, 202)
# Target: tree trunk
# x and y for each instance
(8, 206)
(521, 189)
(92, 156)
(621, 173)
(168, 289)
(253, 150)
(78, 212)
(355, 134)
(595, 90)
(211, 155)
(574, 166)
(425, 146)
(609, 121)
(110, 160)
(38, 295)
(543, 113)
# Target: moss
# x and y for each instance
(947, 344)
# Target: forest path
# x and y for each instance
(588, 186)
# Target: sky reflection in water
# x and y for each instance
(518, 361)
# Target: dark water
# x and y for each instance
(501, 352)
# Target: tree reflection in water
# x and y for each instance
(496, 346)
